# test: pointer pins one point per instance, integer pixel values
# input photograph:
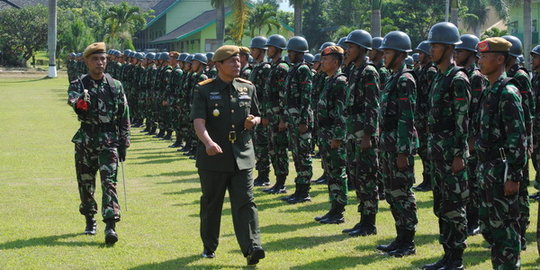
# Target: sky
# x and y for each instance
(285, 6)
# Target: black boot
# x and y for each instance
(262, 179)
(440, 263)
(279, 187)
(321, 180)
(90, 225)
(473, 227)
(455, 260)
(146, 129)
(335, 215)
(168, 135)
(393, 245)
(425, 185)
(355, 227)
(152, 131)
(535, 197)
(406, 247)
(110, 234)
(160, 134)
(300, 195)
(367, 226)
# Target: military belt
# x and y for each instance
(103, 127)
(232, 136)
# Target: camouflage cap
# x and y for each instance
(244, 50)
(225, 52)
(334, 49)
(495, 44)
(96, 47)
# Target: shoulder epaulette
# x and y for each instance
(205, 82)
(243, 80)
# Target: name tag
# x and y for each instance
(244, 97)
(215, 97)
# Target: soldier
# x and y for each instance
(143, 82)
(273, 109)
(447, 127)
(245, 54)
(211, 70)
(535, 55)
(71, 67)
(425, 75)
(175, 84)
(187, 87)
(225, 110)
(362, 131)
(198, 64)
(398, 143)
(523, 83)
(258, 76)
(330, 120)
(501, 145)
(297, 117)
(466, 56)
(101, 141)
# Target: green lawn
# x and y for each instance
(40, 224)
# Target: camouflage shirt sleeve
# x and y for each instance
(305, 80)
(513, 121)
(341, 94)
(371, 101)
(122, 115)
(527, 101)
(406, 140)
(460, 108)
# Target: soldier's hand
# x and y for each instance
(511, 188)
(303, 128)
(335, 144)
(250, 122)
(86, 96)
(458, 165)
(282, 126)
(402, 162)
(213, 149)
(265, 122)
(365, 144)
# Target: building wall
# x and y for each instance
(515, 23)
(185, 11)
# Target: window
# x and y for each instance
(210, 45)
(534, 26)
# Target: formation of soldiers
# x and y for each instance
(369, 108)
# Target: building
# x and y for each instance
(187, 26)
(515, 21)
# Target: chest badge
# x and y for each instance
(216, 112)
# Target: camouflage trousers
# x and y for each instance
(87, 162)
(300, 146)
(536, 164)
(524, 206)
(335, 161)
(474, 189)
(499, 216)
(362, 167)
(262, 154)
(277, 148)
(398, 190)
(423, 153)
(450, 194)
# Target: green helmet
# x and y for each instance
(536, 50)
(517, 48)
(317, 57)
(341, 43)
(308, 57)
(444, 33)
(469, 43)
(326, 44)
(360, 38)
(277, 41)
(376, 43)
(424, 47)
(298, 44)
(200, 57)
(397, 40)
(258, 42)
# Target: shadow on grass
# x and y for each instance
(53, 240)
(181, 263)
(303, 242)
(178, 174)
(283, 228)
(342, 261)
(158, 161)
(25, 81)
(184, 191)
(531, 265)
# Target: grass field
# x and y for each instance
(40, 224)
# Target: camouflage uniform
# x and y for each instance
(104, 127)
(330, 119)
(501, 124)
(362, 119)
(523, 83)
(212, 73)
(447, 139)
(258, 77)
(273, 108)
(196, 77)
(297, 111)
(186, 105)
(176, 100)
(245, 73)
(536, 129)
(399, 136)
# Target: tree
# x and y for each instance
(494, 32)
(527, 30)
(22, 32)
(475, 14)
(261, 16)
(376, 18)
(122, 22)
(316, 22)
(298, 6)
(220, 20)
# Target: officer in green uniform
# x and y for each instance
(224, 113)
(502, 155)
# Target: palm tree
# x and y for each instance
(527, 30)
(122, 20)
(476, 16)
(376, 18)
(240, 15)
(263, 15)
(52, 38)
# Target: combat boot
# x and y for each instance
(152, 131)
(279, 187)
(455, 260)
(535, 197)
(473, 228)
(425, 185)
(440, 263)
(335, 215)
(393, 245)
(355, 227)
(262, 179)
(111, 236)
(406, 246)
(328, 214)
(160, 134)
(146, 129)
(168, 135)
(177, 143)
(367, 226)
(90, 225)
(300, 195)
